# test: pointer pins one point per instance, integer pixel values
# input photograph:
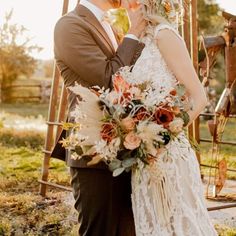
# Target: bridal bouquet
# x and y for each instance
(125, 125)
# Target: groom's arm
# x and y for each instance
(80, 57)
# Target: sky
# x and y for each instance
(40, 16)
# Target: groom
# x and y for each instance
(87, 51)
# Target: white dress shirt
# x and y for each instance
(98, 13)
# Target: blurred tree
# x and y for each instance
(210, 20)
(48, 66)
(15, 59)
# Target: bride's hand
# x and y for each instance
(176, 55)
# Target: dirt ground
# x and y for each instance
(227, 196)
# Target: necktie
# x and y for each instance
(110, 33)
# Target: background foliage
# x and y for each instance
(15, 59)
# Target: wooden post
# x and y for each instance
(51, 119)
(61, 111)
(187, 29)
(186, 25)
(194, 24)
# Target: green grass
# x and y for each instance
(25, 109)
(225, 230)
(22, 210)
(18, 163)
(227, 152)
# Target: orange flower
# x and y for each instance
(142, 114)
(120, 85)
(183, 98)
(108, 132)
(176, 110)
(132, 141)
(164, 115)
(126, 98)
(173, 92)
(167, 6)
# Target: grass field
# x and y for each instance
(22, 210)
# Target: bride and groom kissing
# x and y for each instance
(165, 198)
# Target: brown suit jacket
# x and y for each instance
(84, 54)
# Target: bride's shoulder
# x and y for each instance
(166, 31)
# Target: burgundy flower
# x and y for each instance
(142, 114)
(164, 115)
(108, 132)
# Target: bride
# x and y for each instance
(167, 196)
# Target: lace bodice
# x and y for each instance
(151, 66)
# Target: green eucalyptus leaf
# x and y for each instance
(118, 171)
(86, 149)
(180, 89)
(114, 164)
(128, 162)
(185, 117)
(128, 169)
(79, 150)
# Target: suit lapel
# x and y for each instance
(92, 20)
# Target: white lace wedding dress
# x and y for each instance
(167, 196)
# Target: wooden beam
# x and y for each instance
(49, 141)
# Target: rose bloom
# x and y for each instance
(128, 124)
(164, 115)
(108, 132)
(132, 141)
(176, 126)
(142, 114)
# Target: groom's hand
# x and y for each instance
(137, 21)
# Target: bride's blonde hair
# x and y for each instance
(163, 11)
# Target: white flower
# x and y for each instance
(76, 139)
(87, 113)
(112, 97)
(151, 149)
(108, 151)
(176, 126)
(77, 114)
(100, 145)
(148, 131)
(136, 92)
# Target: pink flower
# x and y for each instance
(128, 124)
(132, 141)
